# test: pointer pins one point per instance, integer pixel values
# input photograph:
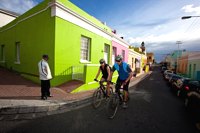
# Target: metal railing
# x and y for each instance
(78, 73)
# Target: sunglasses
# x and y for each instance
(101, 62)
(117, 60)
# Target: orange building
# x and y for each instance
(150, 58)
(182, 64)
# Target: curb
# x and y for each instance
(54, 107)
(31, 112)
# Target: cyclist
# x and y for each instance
(125, 74)
(105, 70)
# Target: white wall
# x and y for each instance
(5, 19)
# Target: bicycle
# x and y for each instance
(100, 94)
(114, 101)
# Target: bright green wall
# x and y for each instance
(67, 50)
(36, 37)
(76, 9)
(56, 37)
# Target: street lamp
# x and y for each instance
(188, 17)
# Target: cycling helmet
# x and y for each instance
(101, 61)
(118, 58)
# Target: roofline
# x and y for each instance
(10, 13)
(55, 3)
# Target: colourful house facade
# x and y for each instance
(119, 47)
(193, 69)
(183, 63)
(150, 58)
(134, 60)
(74, 41)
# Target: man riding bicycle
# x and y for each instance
(125, 74)
(105, 70)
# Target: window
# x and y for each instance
(132, 64)
(17, 52)
(2, 58)
(123, 55)
(85, 48)
(114, 54)
(106, 53)
(114, 51)
(194, 71)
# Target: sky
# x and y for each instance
(156, 22)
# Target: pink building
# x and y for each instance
(119, 47)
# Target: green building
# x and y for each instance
(193, 68)
(74, 41)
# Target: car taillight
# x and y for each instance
(187, 88)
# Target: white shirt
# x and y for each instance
(44, 70)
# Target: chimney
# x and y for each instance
(114, 31)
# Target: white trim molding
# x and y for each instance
(120, 41)
(59, 10)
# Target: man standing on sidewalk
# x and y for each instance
(45, 76)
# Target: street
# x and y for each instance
(152, 109)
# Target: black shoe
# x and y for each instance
(43, 98)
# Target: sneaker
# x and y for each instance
(124, 105)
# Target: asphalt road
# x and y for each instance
(152, 109)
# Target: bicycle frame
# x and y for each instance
(100, 94)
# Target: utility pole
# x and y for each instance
(178, 54)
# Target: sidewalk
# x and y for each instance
(20, 98)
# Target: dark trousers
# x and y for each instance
(45, 88)
(119, 83)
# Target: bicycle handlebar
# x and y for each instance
(104, 81)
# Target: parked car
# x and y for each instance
(174, 79)
(192, 101)
(163, 69)
(166, 72)
(168, 76)
(192, 85)
(179, 85)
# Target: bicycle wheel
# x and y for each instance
(97, 98)
(112, 106)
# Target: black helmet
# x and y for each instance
(45, 56)
(118, 58)
(101, 61)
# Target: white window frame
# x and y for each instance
(2, 54)
(107, 53)
(17, 53)
(87, 49)
(114, 54)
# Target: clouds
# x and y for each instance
(191, 9)
(18, 6)
(157, 23)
